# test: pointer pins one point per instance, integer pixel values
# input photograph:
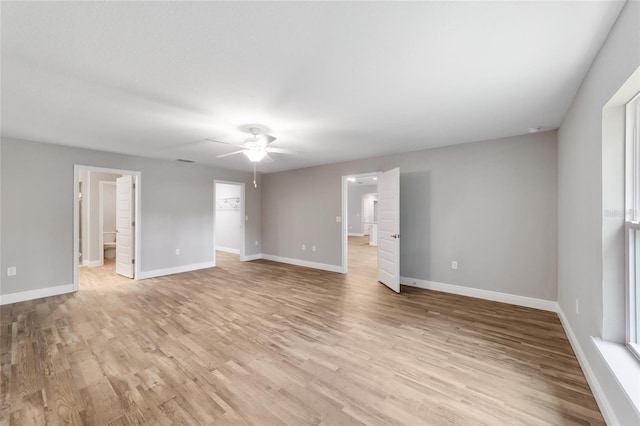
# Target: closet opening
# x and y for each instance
(229, 219)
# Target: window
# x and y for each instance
(632, 226)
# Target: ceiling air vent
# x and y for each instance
(182, 160)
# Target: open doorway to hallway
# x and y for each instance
(362, 223)
(106, 223)
(229, 219)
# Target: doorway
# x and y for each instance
(106, 221)
(387, 221)
(229, 219)
(361, 223)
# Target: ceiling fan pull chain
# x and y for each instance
(255, 184)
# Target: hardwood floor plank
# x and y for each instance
(272, 344)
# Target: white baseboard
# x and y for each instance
(355, 234)
(91, 263)
(305, 263)
(598, 393)
(175, 270)
(23, 296)
(228, 250)
(529, 302)
(251, 257)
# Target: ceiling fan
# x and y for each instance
(256, 148)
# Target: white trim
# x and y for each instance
(632, 154)
(76, 224)
(305, 263)
(632, 205)
(101, 222)
(175, 270)
(86, 198)
(529, 302)
(344, 233)
(352, 234)
(91, 263)
(624, 366)
(228, 250)
(598, 393)
(253, 257)
(23, 296)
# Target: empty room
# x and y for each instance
(320, 213)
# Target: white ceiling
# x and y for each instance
(333, 80)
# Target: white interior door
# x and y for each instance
(389, 229)
(125, 226)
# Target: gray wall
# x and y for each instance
(37, 217)
(581, 213)
(354, 209)
(489, 205)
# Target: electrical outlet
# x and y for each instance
(177, 252)
(246, 218)
(304, 247)
(454, 264)
(11, 271)
(313, 248)
(256, 242)
(338, 219)
(577, 307)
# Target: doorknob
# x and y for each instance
(395, 236)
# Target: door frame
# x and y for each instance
(345, 215)
(137, 176)
(101, 216)
(243, 218)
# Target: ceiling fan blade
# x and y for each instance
(226, 143)
(280, 150)
(267, 159)
(268, 139)
(230, 153)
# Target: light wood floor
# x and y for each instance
(270, 344)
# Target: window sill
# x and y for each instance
(624, 366)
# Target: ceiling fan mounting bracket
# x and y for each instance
(255, 129)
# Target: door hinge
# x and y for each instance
(133, 261)
(133, 185)
(133, 223)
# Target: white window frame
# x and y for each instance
(632, 220)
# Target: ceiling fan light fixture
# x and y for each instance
(254, 155)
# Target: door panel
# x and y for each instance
(124, 226)
(389, 229)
